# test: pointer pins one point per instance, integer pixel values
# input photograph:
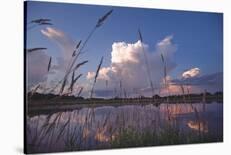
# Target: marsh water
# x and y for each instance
(97, 128)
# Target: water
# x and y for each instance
(96, 128)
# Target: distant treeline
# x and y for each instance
(50, 103)
(201, 96)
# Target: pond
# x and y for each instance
(135, 125)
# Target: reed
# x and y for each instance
(35, 89)
(76, 48)
(183, 92)
(38, 22)
(62, 129)
(166, 85)
(80, 64)
(73, 81)
(63, 86)
(80, 48)
(165, 68)
(80, 91)
(30, 50)
(106, 84)
(77, 51)
(121, 88)
(49, 64)
(103, 18)
(146, 63)
(96, 75)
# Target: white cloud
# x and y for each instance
(191, 73)
(64, 42)
(128, 65)
(90, 75)
(52, 33)
(165, 42)
(124, 52)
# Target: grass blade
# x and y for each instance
(80, 64)
(49, 64)
(103, 18)
(96, 75)
(146, 62)
(80, 91)
(35, 49)
(76, 48)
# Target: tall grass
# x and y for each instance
(165, 68)
(49, 64)
(80, 48)
(121, 88)
(38, 22)
(76, 53)
(96, 75)
(166, 85)
(76, 48)
(146, 63)
(30, 50)
(73, 81)
(80, 91)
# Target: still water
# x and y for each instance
(96, 128)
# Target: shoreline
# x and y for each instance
(37, 107)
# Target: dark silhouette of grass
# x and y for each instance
(73, 81)
(165, 68)
(38, 22)
(76, 48)
(80, 48)
(80, 91)
(103, 18)
(96, 75)
(49, 64)
(146, 63)
(35, 49)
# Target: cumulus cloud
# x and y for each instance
(191, 73)
(90, 75)
(128, 65)
(103, 74)
(126, 53)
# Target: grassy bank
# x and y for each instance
(166, 136)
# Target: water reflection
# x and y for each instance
(201, 126)
(90, 128)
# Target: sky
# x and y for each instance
(191, 43)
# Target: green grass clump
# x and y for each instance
(166, 136)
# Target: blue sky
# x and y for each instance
(198, 36)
